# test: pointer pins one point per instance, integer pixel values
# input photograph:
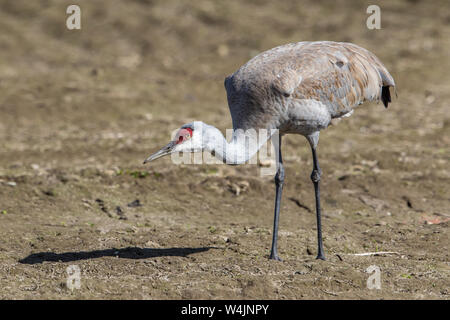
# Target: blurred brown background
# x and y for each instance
(81, 109)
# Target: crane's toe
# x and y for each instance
(275, 257)
(321, 257)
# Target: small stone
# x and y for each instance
(120, 213)
(110, 172)
(49, 192)
(430, 99)
(238, 188)
(266, 163)
(152, 244)
(223, 50)
(135, 203)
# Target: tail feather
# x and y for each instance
(385, 96)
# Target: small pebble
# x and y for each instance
(135, 203)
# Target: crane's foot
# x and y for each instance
(275, 257)
(321, 257)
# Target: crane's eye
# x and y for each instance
(188, 135)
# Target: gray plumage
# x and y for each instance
(300, 87)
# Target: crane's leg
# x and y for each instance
(315, 177)
(279, 180)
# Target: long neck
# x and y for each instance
(241, 148)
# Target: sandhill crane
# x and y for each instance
(294, 88)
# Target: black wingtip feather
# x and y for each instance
(385, 96)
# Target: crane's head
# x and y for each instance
(189, 138)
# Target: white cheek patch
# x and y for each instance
(186, 146)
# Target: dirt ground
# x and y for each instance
(81, 109)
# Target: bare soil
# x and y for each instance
(81, 109)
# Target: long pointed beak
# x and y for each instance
(162, 152)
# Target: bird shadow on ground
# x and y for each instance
(125, 253)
